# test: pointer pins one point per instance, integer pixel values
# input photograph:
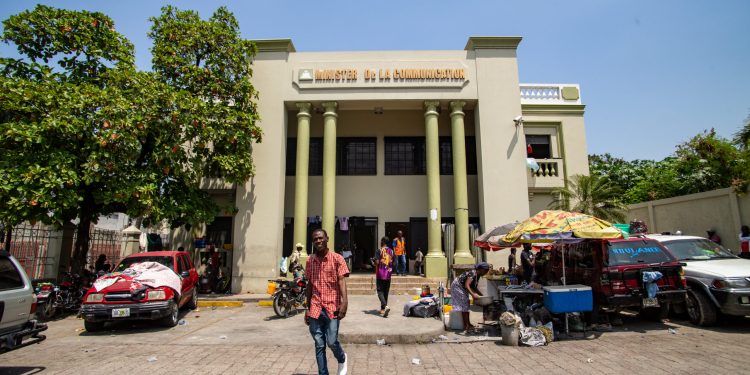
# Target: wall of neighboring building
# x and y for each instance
(539, 202)
(694, 214)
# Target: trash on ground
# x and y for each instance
(152, 358)
(443, 337)
(197, 310)
(589, 360)
(223, 337)
(380, 341)
(415, 361)
(213, 307)
(86, 350)
(672, 331)
(182, 322)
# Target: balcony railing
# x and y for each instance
(549, 175)
(550, 94)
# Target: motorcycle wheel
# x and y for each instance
(221, 286)
(47, 311)
(282, 305)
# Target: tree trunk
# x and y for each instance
(87, 211)
(7, 237)
(82, 245)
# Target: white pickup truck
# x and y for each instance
(17, 305)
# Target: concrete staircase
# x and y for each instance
(365, 284)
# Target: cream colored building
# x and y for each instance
(383, 129)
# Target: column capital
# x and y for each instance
(431, 107)
(457, 107)
(304, 109)
(330, 108)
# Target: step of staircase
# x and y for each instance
(411, 285)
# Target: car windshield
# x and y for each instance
(697, 249)
(127, 262)
(636, 252)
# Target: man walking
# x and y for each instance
(399, 249)
(327, 301)
(527, 262)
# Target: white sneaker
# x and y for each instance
(386, 311)
(342, 366)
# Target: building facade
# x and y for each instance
(363, 144)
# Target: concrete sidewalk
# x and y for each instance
(363, 324)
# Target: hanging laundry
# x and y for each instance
(344, 223)
(649, 279)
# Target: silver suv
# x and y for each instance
(719, 281)
(17, 305)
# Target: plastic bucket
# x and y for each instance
(456, 321)
(447, 308)
(271, 289)
(510, 335)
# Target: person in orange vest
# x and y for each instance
(399, 250)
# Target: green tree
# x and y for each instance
(592, 195)
(742, 137)
(84, 133)
(707, 162)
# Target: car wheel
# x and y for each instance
(193, 303)
(700, 309)
(93, 326)
(171, 319)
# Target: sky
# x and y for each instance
(652, 73)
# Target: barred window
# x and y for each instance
(405, 156)
(446, 155)
(356, 156)
(315, 167)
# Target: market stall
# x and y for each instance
(532, 303)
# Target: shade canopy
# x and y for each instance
(492, 239)
(560, 226)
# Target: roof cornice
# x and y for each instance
(577, 109)
(275, 45)
(492, 42)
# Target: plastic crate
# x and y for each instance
(568, 298)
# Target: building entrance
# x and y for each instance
(362, 242)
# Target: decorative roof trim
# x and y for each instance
(578, 109)
(492, 42)
(275, 45)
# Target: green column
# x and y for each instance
(329, 171)
(436, 265)
(300, 179)
(460, 195)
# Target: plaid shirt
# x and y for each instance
(324, 274)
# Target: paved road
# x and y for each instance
(245, 341)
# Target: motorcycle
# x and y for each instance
(46, 294)
(288, 295)
(71, 291)
(218, 283)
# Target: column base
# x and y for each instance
(465, 258)
(435, 266)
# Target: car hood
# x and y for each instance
(119, 285)
(735, 267)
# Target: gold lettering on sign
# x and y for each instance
(398, 74)
(412, 74)
(336, 75)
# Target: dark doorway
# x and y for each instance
(362, 242)
(219, 232)
(390, 231)
(418, 233)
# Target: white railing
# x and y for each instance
(538, 93)
(549, 175)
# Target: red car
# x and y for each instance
(120, 301)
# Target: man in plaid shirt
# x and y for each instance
(326, 301)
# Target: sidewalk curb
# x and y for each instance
(423, 337)
(219, 303)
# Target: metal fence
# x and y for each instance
(102, 241)
(30, 245)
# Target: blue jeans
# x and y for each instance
(401, 266)
(325, 330)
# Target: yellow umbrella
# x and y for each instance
(552, 226)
